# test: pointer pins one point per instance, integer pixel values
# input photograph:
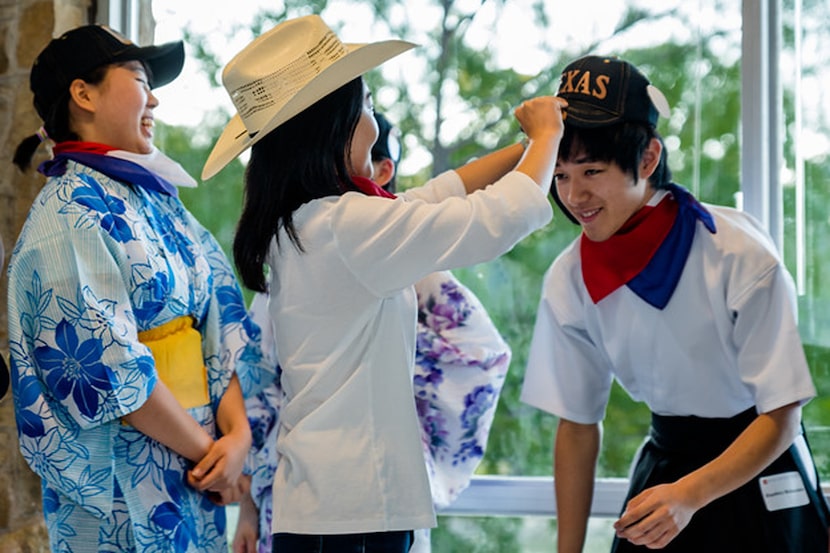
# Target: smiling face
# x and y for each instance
(600, 195)
(118, 111)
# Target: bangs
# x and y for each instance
(623, 144)
(595, 144)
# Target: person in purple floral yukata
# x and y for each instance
(461, 362)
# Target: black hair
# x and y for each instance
(623, 143)
(56, 124)
(303, 159)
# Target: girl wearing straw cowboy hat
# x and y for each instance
(461, 361)
(343, 256)
(127, 326)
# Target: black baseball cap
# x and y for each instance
(602, 91)
(77, 52)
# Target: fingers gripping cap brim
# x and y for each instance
(236, 138)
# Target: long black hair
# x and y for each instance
(303, 159)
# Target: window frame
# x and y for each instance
(122, 15)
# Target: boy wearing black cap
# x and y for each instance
(691, 309)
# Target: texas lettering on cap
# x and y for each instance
(603, 91)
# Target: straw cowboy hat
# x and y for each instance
(283, 72)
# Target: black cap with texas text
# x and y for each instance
(603, 91)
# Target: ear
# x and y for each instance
(384, 171)
(651, 158)
(82, 94)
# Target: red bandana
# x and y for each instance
(371, 188)
(86, 147)
(612, 263)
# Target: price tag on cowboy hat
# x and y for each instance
(783, 491)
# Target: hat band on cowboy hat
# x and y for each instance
(253, 100)
(282, 73)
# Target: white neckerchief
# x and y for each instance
(158, 162)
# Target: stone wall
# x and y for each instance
(26, 26)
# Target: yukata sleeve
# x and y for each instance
(263, 415)
(263, 410)
(231, 339)
(460, 364)
(78, 365)
(263, 407)
(71, 323)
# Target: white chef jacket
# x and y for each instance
(344, 318)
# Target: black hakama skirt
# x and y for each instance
(741, 520)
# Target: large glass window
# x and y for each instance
(452, 100)
(805, 173)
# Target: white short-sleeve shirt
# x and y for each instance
(727, 340)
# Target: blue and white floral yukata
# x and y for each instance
(98, 261)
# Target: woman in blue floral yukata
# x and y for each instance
(461, 361)
(126, 324)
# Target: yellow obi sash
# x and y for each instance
(177, 349)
